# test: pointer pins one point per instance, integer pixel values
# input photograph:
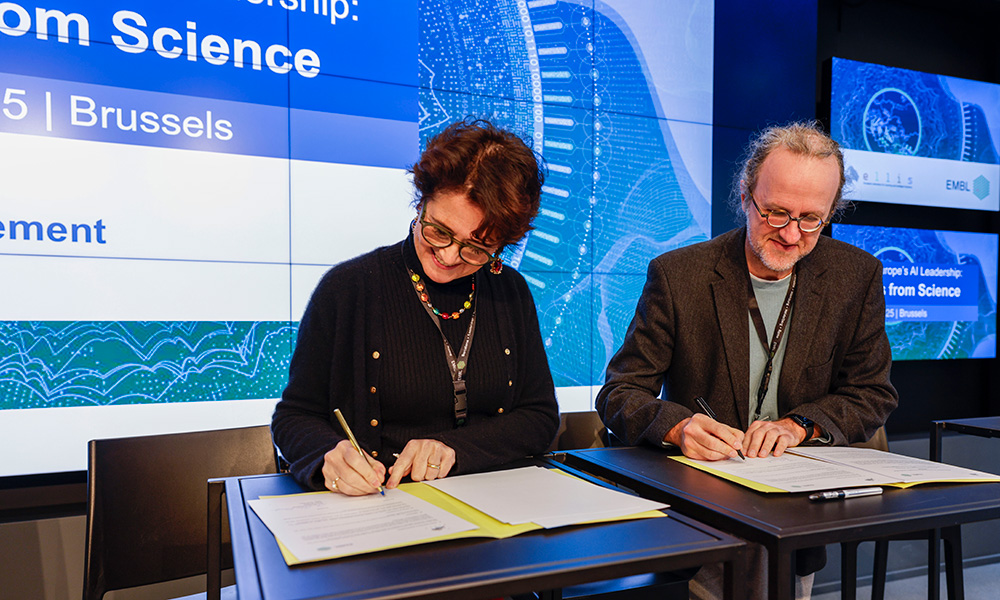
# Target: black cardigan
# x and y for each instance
(365, 332)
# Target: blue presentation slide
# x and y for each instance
(178, 176)
(940, 289)
(916, 138)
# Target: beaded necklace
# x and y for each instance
(422, 292)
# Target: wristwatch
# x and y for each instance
(804, 423)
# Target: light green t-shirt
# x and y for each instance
(770, 296)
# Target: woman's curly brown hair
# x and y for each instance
(495, 168)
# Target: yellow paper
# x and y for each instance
(815, 468)
(485, 525)
(760, 487)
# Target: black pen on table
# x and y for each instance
(354, 441)
(711, 413)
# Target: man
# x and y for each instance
(781, 330)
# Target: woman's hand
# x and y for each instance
(346, 472)
(422, 460)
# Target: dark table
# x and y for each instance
(981, 426)
(783, 523)
(467, 569)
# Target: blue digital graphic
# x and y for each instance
(78, 363)
(572, 80)
(898, 111)
(940, 289)
(892, 123)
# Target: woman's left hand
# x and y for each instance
(422, 460)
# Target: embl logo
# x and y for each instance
(980, 186)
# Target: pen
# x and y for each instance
(711, 413)
(354, 441)
(844, 494)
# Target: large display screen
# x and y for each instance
(178, 176)
(940, 289)
(916, 138)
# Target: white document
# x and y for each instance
(541, 496)
(809, 468)
(793, 473)
(327, 525)
(897, 467)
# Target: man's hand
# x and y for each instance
(344, 471)
(766, 437)
(703, 438)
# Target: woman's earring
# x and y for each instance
(496, 265)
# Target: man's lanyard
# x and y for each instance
(456, 364)
(779, 331)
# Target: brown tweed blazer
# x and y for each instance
(690, 336)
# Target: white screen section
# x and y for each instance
(922, 181)
(578, 398)
(48, 440)
(144, 290)
(340, 211)
(141, 202)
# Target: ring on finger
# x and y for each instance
(333, 484)
(433, 466)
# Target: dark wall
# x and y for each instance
(956, 38)
(765, 73)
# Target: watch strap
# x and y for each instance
(804, 423)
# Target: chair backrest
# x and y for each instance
(147, 502)
(879, 441)
(577, 431)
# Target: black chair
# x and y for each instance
(147, 502)
(952, 537)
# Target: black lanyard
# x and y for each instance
(456, 364)
(779, 331)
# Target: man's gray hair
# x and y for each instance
(805, 138)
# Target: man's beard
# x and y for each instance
(772, 262)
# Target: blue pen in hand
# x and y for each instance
(711, 413)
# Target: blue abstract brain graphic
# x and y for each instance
(892, 123)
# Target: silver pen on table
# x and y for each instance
(845, 494)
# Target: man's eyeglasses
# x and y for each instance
(439, 237)
(778, 218)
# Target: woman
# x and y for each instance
(376, 336)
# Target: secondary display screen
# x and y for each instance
(940, 289)
(916, 138)
(178, 176)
